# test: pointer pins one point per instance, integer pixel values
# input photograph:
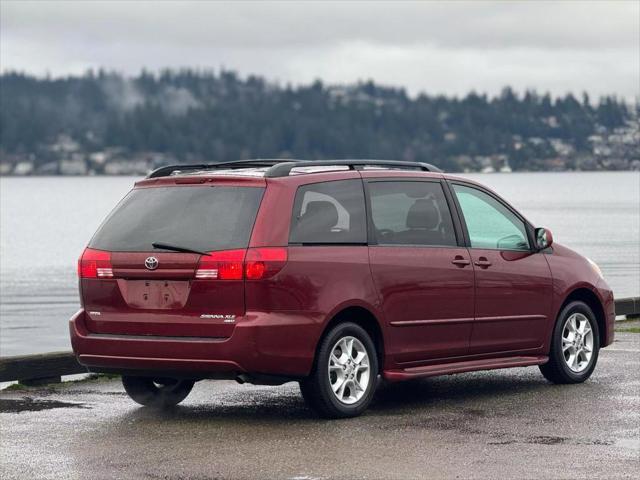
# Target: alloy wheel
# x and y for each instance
(577, 342)
(349, 370)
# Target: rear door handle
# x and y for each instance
(460, 261)
(483, 262)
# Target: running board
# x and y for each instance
(460, 367)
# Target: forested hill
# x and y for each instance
(199, 116)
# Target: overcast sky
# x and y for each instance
(436, 47)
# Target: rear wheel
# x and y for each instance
(345, 372)
(574, 347)
(157, 392)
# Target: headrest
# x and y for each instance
(320, 216)
(423, 214)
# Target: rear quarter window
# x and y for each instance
(199, 217)
(329, 213)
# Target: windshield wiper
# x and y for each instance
(176, 248)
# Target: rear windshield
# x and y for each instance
(197, 217)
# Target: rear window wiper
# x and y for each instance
(176, 248)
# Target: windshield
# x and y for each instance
(202, 218)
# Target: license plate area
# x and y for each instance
(155, 294)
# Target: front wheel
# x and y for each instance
(157, 392)
(574, 346)
(345, 373)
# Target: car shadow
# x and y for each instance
(459, 389)
(285, 404)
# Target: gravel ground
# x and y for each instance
(497, 424)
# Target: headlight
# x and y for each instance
(595, 267)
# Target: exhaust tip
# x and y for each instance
(242, 378)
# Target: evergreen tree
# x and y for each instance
(209, 116)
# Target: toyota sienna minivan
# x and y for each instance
(331, 274)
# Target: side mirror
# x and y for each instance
(544, 238)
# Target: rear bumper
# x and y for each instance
(261, 343)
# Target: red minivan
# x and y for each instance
(331, 274)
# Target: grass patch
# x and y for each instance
(92, 377)
(630, 325)
(628, 319)
(16, 386)
(629, 330)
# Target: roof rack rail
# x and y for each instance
(170, 169)
(283, 168)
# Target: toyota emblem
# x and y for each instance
(151, 263)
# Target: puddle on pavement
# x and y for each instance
(547, 440)
(26, 404)
(552, 440)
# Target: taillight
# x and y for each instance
(252, 264)
(264, 262)
(95, 264)
(223, 265)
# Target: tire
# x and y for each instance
(157, 392)
(562, 367)
(345, 372)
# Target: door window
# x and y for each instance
(411, 213)
(490, 224)
(329, 213)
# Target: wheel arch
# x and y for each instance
(363, 317)
(587, 296)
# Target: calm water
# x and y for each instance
(46, 222)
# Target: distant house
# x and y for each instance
(23, 168)
(75, 165)
(5, 168)
(127, 167)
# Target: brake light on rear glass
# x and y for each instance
(95, 264)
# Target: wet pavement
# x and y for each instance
(497, 424)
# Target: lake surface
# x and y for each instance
(45, 222)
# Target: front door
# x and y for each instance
(513, 281)
(424, 278)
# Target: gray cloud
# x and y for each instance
(438, 47)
